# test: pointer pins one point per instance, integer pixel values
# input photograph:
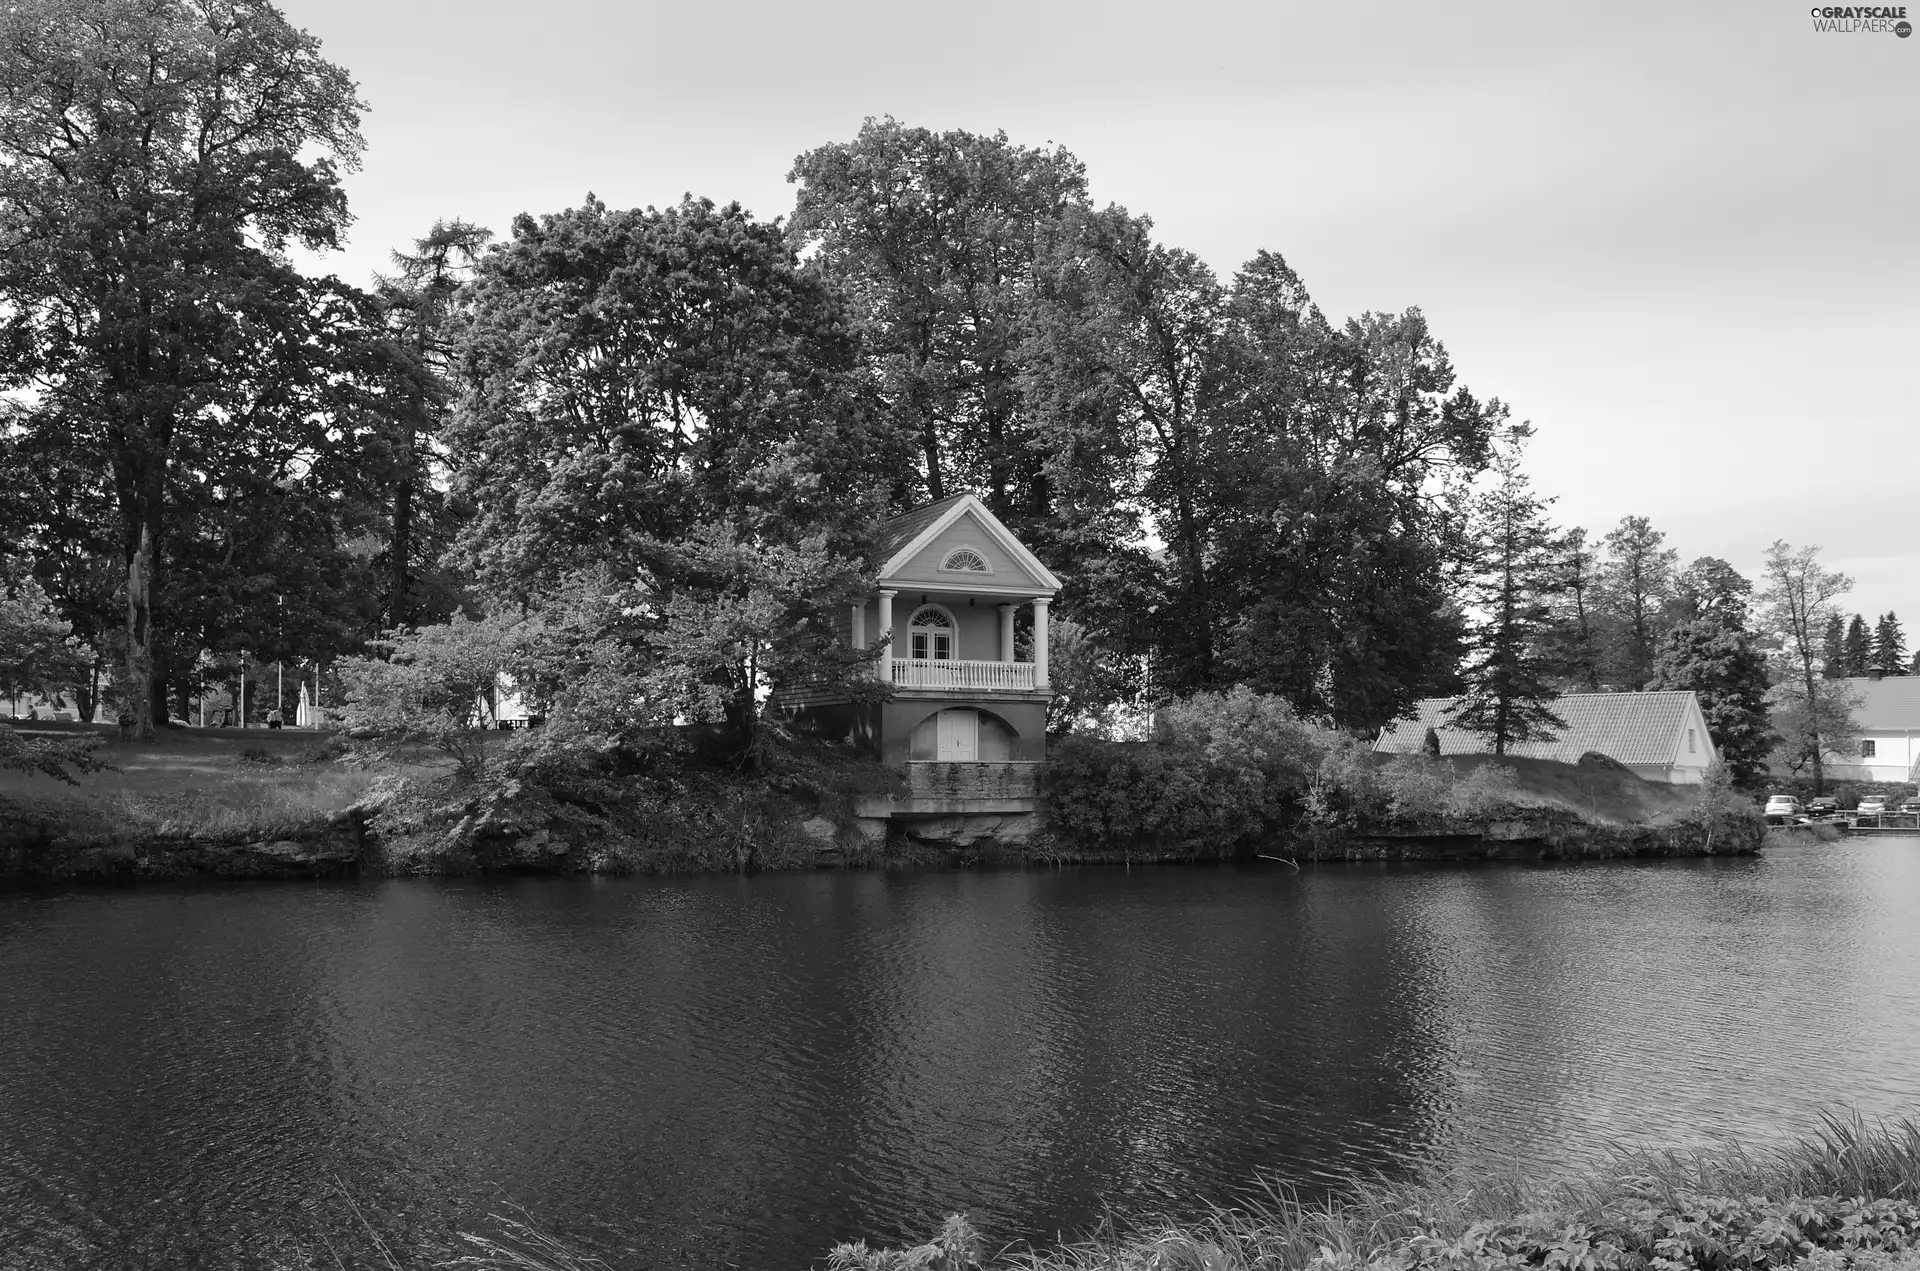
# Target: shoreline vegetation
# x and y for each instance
(1844, 1198)
(1226, 777)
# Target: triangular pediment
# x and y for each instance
(966, 546)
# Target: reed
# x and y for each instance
(1844, 1195)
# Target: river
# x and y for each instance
(737, 1072)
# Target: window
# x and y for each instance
(1690, 741)
(1866, 750)
(930, 634)
(966, 560)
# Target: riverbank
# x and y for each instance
(1840, 1199)
(230, 803)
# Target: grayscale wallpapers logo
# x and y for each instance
(1863, 20)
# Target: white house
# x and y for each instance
(1661, 736)
(1887, 746)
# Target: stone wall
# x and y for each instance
(972, 780)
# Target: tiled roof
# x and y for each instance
(903, 529)
(1888, 705)
(1634, 728)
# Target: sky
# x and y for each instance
(1678, 239)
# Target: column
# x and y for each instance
(1006, 633)
(886, 631)
(1040, 642)
(859, 627)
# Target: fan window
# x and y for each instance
(931, 634)
(966, 560)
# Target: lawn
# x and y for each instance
(216, 780)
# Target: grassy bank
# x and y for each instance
(264, 804)
(1846, 1196)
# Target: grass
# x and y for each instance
(1476, 1220)
(221, 782)
(1604, 794)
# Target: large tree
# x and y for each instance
(420, 298)
(1509, 673)
(158, 156)
(1833, 648)
(1710, 651)
(661, 431)
(1636, 584)
(1889, 646)
(934, 238)
(1796, 599)
(1856, 647)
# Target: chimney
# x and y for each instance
(1875, 672)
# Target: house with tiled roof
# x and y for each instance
(1887, 745)
(1662, 736)
(951, 581)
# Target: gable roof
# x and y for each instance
(1634, 728)
(1886, 705)
(905, 535)
(903, 529)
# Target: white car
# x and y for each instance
(1872, 805)
(1782, 805)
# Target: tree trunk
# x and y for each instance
(399, 611)
(138, 693)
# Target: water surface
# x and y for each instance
(738, 1072)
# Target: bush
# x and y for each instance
(1223, 770)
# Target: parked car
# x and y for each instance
(1872, 805)
(1782, 805)
(1822, 806)
(1911, 805)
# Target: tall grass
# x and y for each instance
(1399, 1224)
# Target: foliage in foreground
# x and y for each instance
(1842, 1200)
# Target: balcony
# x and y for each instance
(954, 674)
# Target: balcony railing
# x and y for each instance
(948, 673)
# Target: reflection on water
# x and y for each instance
(737, 1072)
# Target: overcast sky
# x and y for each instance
(1678, 238)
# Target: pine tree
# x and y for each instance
(1833, 649)
(1509, 669)
(1858, 652)
(1890, 645)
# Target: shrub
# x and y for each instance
(1222, 770)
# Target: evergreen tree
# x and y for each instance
(1857, 649)
(1508, 672)
(1890, 645)
(1833, 649)
(1636, 584)
(1579, 633)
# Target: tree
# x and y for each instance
(38, 653)
(661, 407)
(1636, 581)
(158, 156)
(1335, 465)
(1509, 692)
(934, 239)
(1857, 648)
(1711, 588)
(1797, 607)
(1578, 635)
(1810, 727)
(420, 300)
(1889, 646)
(1833, 648)
(1128, 331)
(1719, 662)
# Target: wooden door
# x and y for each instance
(957, 736)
